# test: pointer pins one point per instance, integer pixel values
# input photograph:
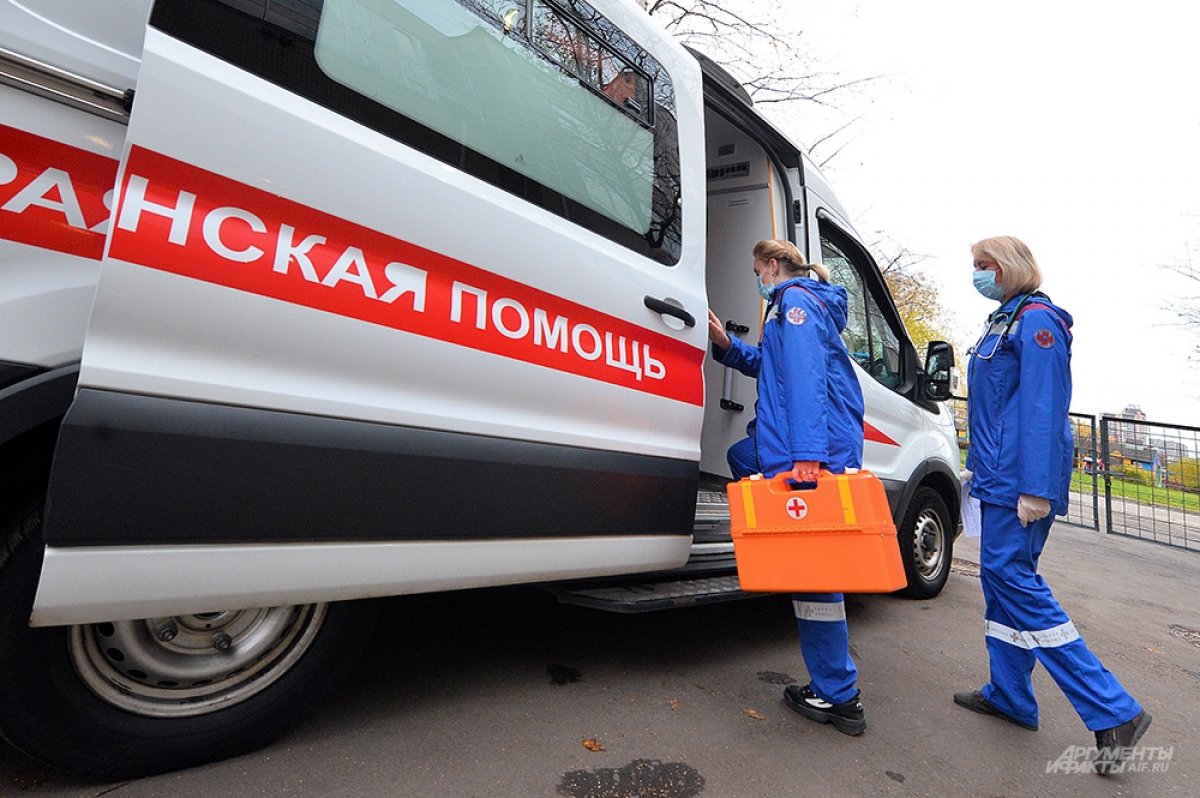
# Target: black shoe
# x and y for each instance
(847, 717)
(1114, 746)
(975, 702)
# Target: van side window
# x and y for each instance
(545, 99)
(569, 44)
(872, 342)
(857, 334)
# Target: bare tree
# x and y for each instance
(1186, 309)
(765, 54)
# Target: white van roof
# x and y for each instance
(815, 181)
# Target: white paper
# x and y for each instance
(970, 511)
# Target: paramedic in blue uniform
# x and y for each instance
(1021, 455)
(809, 416)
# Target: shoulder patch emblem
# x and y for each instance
(797, 315)
(1044, 338)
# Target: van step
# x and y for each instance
(712, 506)
(656, 595)
(710, 532)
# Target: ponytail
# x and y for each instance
(789, 255)
(821, 271)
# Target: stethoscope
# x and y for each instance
(996, 323)
(1000, 323)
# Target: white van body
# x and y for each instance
(329, 300)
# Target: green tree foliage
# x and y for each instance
(1084, 438)
(1186, 474)
(1137, 475)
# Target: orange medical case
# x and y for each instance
(835, 538)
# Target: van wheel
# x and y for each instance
(124, 699)
(926, 544)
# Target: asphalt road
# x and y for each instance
(492, 694)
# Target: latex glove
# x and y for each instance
(1032, 508)
(965, 474)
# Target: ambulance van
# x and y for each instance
(315, 301)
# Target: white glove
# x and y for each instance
(965, 474)
(1032, 508)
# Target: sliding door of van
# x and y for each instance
(391, 271)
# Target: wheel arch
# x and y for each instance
(31, 413)
(35, 401)
(935, 474)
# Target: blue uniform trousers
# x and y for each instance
(820, 617)
(1025, 624)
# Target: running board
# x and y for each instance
(650, 596)
(708, 577)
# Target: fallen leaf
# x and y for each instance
(592, 744)
(754, 713)
(674, 704)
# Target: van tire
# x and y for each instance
(926, 537)
(49, 712)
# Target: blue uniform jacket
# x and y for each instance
(1017, 416)
(810, 405)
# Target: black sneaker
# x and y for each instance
(975, 702)
(1114, 746)
(847, 717)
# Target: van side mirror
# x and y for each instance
(939, 362)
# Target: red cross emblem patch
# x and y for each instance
(797, 315)
(1044, 338)
(796, 507)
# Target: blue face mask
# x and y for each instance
(985, 283)
(764, 289)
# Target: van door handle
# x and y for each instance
(662, 306)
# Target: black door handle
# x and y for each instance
(659, 306)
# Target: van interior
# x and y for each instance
(746, 203)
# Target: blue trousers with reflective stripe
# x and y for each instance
(824, 637)
(1026, 625)
(825, 646)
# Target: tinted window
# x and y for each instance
(548, 101)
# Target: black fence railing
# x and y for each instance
(1132, 477)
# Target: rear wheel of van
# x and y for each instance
(130, 698)
(926, 543)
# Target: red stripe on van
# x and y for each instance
(872, 433)
(52, 194)
(179, 218)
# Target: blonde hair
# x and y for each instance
(789, 257)
(1021, 272)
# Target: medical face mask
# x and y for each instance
(985, 283)
(764, 289)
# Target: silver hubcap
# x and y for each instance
(192, 664)
(929, 544)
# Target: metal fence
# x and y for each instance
(1131, 477)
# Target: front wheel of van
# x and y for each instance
(926, 544)
(130, 698)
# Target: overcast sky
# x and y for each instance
(1074, 126)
